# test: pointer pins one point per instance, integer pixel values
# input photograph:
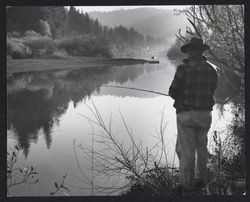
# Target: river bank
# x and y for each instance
(26, 65)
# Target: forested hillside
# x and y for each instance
(54, 31)
(160, 23)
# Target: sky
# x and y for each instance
(111, 8)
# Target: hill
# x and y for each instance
(148, 21)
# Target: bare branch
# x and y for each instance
(180, 39)
(196, 30)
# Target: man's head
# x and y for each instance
(195, 47)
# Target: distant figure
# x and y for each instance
(153, 57)
(193, 89)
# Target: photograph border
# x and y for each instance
(3, 97)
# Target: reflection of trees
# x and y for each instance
(42, 98)
(26, 116)
(28, 112)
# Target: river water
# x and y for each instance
(46, 113)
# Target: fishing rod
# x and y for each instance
(137, 89)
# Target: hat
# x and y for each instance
(194, 43)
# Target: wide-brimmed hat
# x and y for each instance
(194, 43)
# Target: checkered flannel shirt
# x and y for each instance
(194, 85)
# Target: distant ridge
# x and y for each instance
(148, 21)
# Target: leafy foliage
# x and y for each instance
(16, 49)
(87, 45)
(73, 31)
(222, 28)
(31, 44)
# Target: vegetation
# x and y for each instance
(61, 188)
(222, 28)
(174, 50)
(120, 162)
(16, 175)
(227, 166)
(38, 31)
(143, 169)
(147, 171)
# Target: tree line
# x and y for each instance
(73, 27)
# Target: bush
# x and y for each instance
(74, 45)
(40, 45)
(32, 44)
(31, 33)
(16, 49)
(14, 34)
(83, 45)
(157, 182)
(60, 54)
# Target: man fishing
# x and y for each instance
(193, 90)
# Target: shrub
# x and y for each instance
(73, 45)
(83, 45)
(60, 54)
(16, 49)
(31, 44)
(40, 45)
(157, 182)
(14, 34)
(31, 33)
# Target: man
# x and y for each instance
(193, 89)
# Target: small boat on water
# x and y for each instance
(153, 60)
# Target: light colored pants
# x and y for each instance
(192, 129)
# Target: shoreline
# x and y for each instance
(27, 65)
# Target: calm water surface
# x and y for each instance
(44, 118)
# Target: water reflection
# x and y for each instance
(43, 108)
(37, 100)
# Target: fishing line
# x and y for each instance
(137, 89)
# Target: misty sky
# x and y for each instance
(111, 8)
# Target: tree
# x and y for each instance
(40, 19)
(222, 27)
(56, 17)
(22, 18)
(74, 22)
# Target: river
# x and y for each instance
(45, 117)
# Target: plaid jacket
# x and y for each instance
(194, 85)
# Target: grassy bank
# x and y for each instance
(25, 65)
